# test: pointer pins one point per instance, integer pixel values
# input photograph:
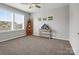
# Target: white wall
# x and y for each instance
(74, 27)
(59, 24)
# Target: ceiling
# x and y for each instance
(44, 6)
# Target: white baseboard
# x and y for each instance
(55, 38)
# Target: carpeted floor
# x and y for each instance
(35, 46)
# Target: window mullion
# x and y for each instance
(23, 24)
(12, 22)
(13, 19)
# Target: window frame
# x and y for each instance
(13, 18)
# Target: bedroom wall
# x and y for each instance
(74, 27)
(59, 24)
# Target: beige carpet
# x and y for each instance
(35, 46)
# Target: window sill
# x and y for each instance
(11, 31)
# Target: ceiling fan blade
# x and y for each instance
(30, 7)
(26, 3)
(35, 3)
(37, 6)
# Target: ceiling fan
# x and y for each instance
(32, 5)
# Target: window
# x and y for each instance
(5, 20)
(11, 20)
(19, 21)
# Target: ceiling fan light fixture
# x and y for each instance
(33, 5)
